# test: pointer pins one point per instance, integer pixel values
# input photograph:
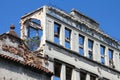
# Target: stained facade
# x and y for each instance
(17, 62)
(76, 46)
(73, 45)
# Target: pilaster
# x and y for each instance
(63, 72)
(88, 76)
(75, 75)
(62, 35)
(86, 46)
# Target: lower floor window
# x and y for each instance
(57, 70)
(68, 73)
(56, 78)
(92, 77)
(82, 76)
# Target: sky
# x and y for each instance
(105, 12)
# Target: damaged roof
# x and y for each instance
(24, 55)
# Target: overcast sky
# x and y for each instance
(105, 12)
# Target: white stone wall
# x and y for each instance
(79, 63)
(15, 71)
(64, 55)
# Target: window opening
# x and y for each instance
(67, 38)
(81, 45)
(57, 70)
(56, 33)
(102, 52)
(81, 40)
(90, 55)
(67, 44)
(90, 49)
(81, 51)
(34, 37)
(82, 76)
(67, 33)
(68, 73)
(110, 53)
(92, 77)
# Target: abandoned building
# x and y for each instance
(17, 62)
(69, 46)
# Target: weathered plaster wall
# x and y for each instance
(13, 71)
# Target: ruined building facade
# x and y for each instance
(76, 47)
(17, 62)
(72, 46)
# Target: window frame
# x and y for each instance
(83, 75)
(110, 54)
(57, 28)
(102, 53)
(81, 44)
(89, 44)
(68, 39)
(82, 51)
(81, 40)
(90, 48)
(90, 54)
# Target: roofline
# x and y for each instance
(30, 13)
(68, 15)
(22, 62)
(14, 37)
(41, 68)
(74, 10)
(100, 32)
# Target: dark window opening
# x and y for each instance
(82, 76)
(92, 77)
(68, 73)
(57, 70)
